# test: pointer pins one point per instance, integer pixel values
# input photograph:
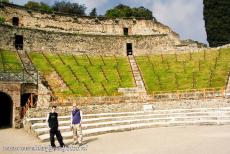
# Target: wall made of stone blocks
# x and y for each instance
(82, 25)
(14, 91)
(39, 40)
(131, 106)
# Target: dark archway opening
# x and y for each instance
(19, 42)
(6, 110)
(28, 100)
(15, 21)
(129, 49)
(126, 31)
(29, 97)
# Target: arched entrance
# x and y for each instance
(6, 110)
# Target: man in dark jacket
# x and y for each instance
(52, 121)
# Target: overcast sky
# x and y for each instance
(184, 16)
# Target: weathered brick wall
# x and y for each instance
(68, 33)
(83, 25)
(40, 40)
(131, 106)
(14, 91)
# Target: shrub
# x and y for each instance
(2, 19)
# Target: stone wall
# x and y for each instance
(13, 89)
(132, 106)
(46, 41)
(57, 32)
(83, 25)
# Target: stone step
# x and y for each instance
(141, 116)
(110, 129)
(114, 114)
(45, 130)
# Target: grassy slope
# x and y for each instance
(9, 61)
(183, 72)
(87, 77)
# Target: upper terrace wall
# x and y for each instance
(45, 41)
(82, 25)
(57, 32)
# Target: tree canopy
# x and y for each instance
(6, 1)
(125, 11)
(62, 6)
(38, 6)
(68, 7)
(93, 12)
(217, 21)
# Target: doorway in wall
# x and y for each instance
(126, 31)
(19, 42)
(6, 110)
(129, 49)
(15, 21)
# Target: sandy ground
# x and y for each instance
(170, 140)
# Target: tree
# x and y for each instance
(125, 11)
(5, 1)
(93, 13)
(45, 7)
(32, 5)
(38, 6)
(217, 21)
(67, 7)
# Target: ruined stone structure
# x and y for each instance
(32, 30)
(12, 95)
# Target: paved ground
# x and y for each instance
(171, 140)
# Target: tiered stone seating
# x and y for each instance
(96, 124)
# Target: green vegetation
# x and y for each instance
(206, 69)
(125, 11)
(2, 19)
(58, 6)
(87, 76)
(93, 12)
(38, 6)
(10, 62)
(68, 7)
(6, 1)
(217, 21)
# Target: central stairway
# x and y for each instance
(140, 89)
(31, 74)
(96, 124)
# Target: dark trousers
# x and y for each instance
(53, 132)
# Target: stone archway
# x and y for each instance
(6, 110)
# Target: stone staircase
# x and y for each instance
(140, 89)
(31, 73)
(26, 61)
(96, 124)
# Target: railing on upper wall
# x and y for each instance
(9, 73)
(19, 75)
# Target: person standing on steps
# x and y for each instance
(52, 122)
(76, 120)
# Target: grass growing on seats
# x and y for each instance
(197, 70)
(10, 62)
(87, 76)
